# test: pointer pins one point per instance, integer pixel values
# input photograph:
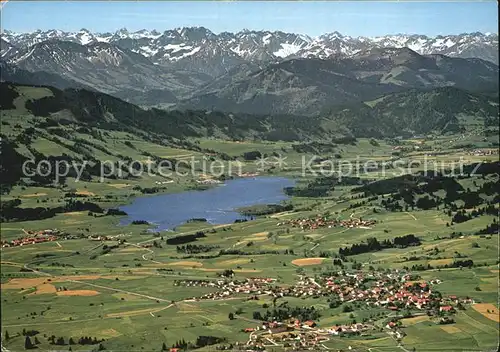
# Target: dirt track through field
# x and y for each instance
(186, 263)
(132, 313)
(450, 329)
(35, 282)
(118, 185)
(413, 216)
(478, 324)
(44, 284)
(11, 264)
(33, 195)
(230, 262)
(122, 291)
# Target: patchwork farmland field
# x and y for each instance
(369, 262)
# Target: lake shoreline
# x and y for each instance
(171, 210)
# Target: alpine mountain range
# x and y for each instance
(248, 71)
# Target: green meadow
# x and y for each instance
(127, 297)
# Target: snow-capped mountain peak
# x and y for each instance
(189, 43)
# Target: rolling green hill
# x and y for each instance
(93, 109)
(77, 124)
(413, 112)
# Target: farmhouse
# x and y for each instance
(309, 324)
(391, 325)
(446, 309)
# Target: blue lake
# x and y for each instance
(217, 204)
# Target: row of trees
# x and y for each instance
(84, 340)
(489, 229)
(266, 209)
(467, 263)
(201, 341)
(286, 312)
(11, 210)
(373, 245)
(186, 238)
(462, 215)
(249, 244)
(193, 248)
(59, 341)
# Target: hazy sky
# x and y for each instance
(355, 18)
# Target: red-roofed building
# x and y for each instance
(310, 323)
(446, 309)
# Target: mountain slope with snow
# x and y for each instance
(236, 68)
(177, 44)
(305, 86)
(105, 67)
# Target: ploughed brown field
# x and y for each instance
(307, 261)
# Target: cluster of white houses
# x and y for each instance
(482, 152)
(33, 237)
(226, 288)
(392, 290)
(321, 221)
(299, 335)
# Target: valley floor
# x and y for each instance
(95, 285)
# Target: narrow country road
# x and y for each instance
(27, 266)
(121, 291)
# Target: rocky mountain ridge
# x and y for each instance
(178, 44)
